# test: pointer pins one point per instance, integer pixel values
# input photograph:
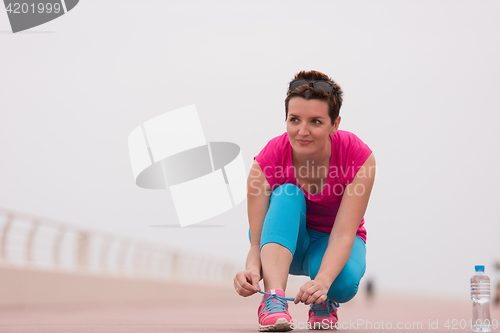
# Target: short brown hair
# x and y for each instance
(334, 99)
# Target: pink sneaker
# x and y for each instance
(323, 316)
(273, 312)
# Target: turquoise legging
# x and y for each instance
(285, 224)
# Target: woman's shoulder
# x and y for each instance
(280, 140)
(275, 148)
(273, 159)
(277, 144)
(348, 153)
(345, 135)
(346, 139)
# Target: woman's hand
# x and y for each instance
(312, 292)
(246, 283)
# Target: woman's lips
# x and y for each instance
(304, 142)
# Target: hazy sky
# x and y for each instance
(419, 77)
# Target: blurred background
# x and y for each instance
(419, 78)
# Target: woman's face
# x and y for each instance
(309, 126)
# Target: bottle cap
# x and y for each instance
(479, 268)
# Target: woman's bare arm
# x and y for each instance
(258, 195)
(351, 212)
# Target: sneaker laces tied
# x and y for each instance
(324, 311)
(278, 306)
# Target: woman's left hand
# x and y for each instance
(312, 292)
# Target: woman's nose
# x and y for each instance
(303, 130)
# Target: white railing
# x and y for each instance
(33, 242)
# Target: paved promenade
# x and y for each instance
(224, 311)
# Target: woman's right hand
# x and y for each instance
(246, 283)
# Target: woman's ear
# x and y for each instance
(336, 124)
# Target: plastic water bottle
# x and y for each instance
(480, 294)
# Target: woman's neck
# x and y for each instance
(310, 160)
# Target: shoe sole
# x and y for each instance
(281, 325)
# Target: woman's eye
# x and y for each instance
(316, 121)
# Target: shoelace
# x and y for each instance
(279, 306)
(324, 311)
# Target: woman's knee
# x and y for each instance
(345, 286)
(288, 190)
(287, 204)
(343, 292)
(285, 217)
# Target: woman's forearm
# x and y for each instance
(257, 208)
(258, 194)
(253, 259)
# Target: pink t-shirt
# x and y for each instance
(348, 155)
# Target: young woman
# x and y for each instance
(308, 190)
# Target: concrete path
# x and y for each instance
(224, 311)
